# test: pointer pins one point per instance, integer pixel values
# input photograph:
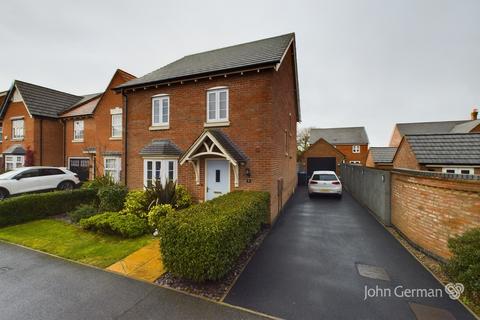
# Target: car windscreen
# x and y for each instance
(8, 175)
(324, 177)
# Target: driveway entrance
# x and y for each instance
(309, 267)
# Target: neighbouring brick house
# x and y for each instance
(457, 153)
(94, 132)
(3, 95)
(351, 142)
(321, 155)
(217, 121)
(436, 127)
(31, 127)
(381, 157)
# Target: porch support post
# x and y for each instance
(196, 168)
(235, 174)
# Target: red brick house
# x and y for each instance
(93, 130)
(31, 131)
(457, 153)
(351, 142)
(435, 127)
(217, 121)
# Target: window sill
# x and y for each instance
(216, 124)
(77, 141)
(17, 139)
(115, 138)
(155, 128)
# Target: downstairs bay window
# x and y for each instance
(159, 169)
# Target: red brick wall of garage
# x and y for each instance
(321, 148)
(252, 123)
(346, 149)
(428, 210)
(396, 138)
(18, 109)
(405, 158)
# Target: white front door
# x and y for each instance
(217, 178)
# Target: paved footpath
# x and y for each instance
(37, 286)
(307, 268)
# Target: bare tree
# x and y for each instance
(303, 137)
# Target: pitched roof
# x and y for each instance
(465, 127)
(228, 145)
(452, 148)
(161, 147)
(81, 110)
(383, 154)
(45, 102)
(428, 127)
(261, 52)
(334, 136)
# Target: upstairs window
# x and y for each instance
(356, 149)
(217, 105)
(160, 110)
(78, 126)
(17, 129)
(1, 134)
(116, 125)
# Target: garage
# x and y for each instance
(80, 166)
(321, 163)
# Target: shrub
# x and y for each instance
(136, 203)
(37, 206)
(156, 213)
(464, 266)
(203, 242)
(161, 193)
(112, 198)
(182, 198)
(124, 225)
(82, 211)
(99, 182)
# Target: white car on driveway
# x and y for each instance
(324, 182)
(31, 179)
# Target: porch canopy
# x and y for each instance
(214, 142)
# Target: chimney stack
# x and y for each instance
(474, 114)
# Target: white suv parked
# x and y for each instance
(30, 179)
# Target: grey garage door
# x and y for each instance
(320, 163)
(81, 167)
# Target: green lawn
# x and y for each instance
(70, 241)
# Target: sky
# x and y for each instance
(367, 63)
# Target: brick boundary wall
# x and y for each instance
(428, 208)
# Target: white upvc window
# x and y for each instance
(78, 130)
(356, 149)
(217, 105)
(160, 111)
(13, 162)
(112, 167)
(458, 170)
(159, 169)
(18, 129)
(355, 162)
(116, 125)
(1, 133)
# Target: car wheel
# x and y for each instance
(3, 194)
(66, 185)
(310, 195)
(339, 196)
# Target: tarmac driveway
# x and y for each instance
(307, 267)
(37, 286)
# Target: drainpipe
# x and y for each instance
(124, 134)
(64, 153)
(41, 141)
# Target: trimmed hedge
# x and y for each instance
(111, 198)
(40, 205)
(124, 225)
(203, 242)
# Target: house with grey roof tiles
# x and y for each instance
(217, 121)
(381, 157)
(457, 153)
